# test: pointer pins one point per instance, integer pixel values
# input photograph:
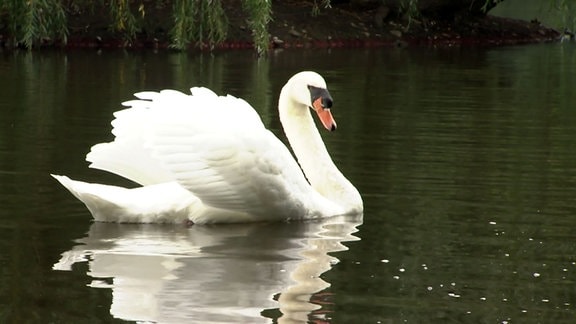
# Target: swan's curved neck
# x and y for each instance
(304, 138)
(311, 153)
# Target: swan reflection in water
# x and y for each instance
(226, 273)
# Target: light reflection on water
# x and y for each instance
(219, 274)
(464, 157)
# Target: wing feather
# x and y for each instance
(250, 171)
(215, 146)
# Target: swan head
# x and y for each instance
(309, 90)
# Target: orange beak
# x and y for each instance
(324, 114)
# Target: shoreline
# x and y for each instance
(294, 26)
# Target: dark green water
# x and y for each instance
(465, 158)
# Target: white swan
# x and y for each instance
(205, 158)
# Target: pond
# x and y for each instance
(465, 159)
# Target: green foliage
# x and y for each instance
(410, 9)
(260, 12)
(123, 19)
(203, 22)
(568, 10)
(316, 7)
(31, 22)
(200, 21)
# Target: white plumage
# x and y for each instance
(209, 159)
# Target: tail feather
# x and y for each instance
(162, 203)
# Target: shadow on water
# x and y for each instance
(232, 273)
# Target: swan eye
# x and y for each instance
(322, 94)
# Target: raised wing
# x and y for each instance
(214, 146)
(126, 156)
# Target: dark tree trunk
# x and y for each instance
(450, 8)
(443, 9)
